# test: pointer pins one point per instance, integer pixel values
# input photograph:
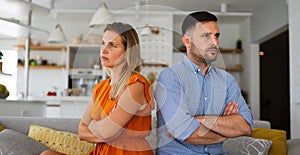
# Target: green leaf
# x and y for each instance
(1, 55)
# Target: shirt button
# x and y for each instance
(205, 149)
(198, 70)
(205, 98)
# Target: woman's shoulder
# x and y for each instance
(137, 77)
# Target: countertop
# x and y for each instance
(54, 98)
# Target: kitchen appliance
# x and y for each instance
(85, 80)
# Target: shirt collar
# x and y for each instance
(193, 66)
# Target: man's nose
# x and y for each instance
(214, 41)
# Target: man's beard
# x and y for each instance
(205, 57)
(210, 57)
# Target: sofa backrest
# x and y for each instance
(22, 124)
(261, 124)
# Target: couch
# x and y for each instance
(21, 126)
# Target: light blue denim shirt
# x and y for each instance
(181, 93)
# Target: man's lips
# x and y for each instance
(213, 50)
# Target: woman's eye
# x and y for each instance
(113, 45)
(102, 43)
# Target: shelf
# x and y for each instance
(222, 50)
(14, 28)
(44, 67)
(85, 45)
(228, 50)
(155, 65)
(237, 69)
(46, 48)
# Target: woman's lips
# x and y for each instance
(104, 58)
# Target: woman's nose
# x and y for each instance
(104, 49)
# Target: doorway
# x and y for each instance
(274, 82)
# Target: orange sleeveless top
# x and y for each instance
(132, 140)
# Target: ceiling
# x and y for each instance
(16, 8)
(16, 11)
(184, 5)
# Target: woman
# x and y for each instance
(118, 117)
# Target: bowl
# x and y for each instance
(76, 91)
(3, 96)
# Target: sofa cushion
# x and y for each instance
(1, 128)
(278, 138)
(247, 145)
(293, 146)
(16, 143)
(61, 141)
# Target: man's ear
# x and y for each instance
(186, 40)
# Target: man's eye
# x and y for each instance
(206, 35)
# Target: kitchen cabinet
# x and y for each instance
(44, 67)
(13, 108)
(63, 106)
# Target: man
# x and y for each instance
(200, 106)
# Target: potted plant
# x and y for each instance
(3, 90)
(1, 72)
(1, 55)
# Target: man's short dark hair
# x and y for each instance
(195, 17)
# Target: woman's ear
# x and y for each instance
(186, 39)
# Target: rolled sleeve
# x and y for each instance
(234, 94)
(173, 106)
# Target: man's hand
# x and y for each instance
(231, 109)
(204, 136)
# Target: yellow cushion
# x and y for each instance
(61, 141)
(278, 138)
(1, 128)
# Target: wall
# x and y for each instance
(250, 61)
(294, 24)
(267, 19)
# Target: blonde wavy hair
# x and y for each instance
(131, 61)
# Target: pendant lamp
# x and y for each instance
(57, 35)
(102, 16)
